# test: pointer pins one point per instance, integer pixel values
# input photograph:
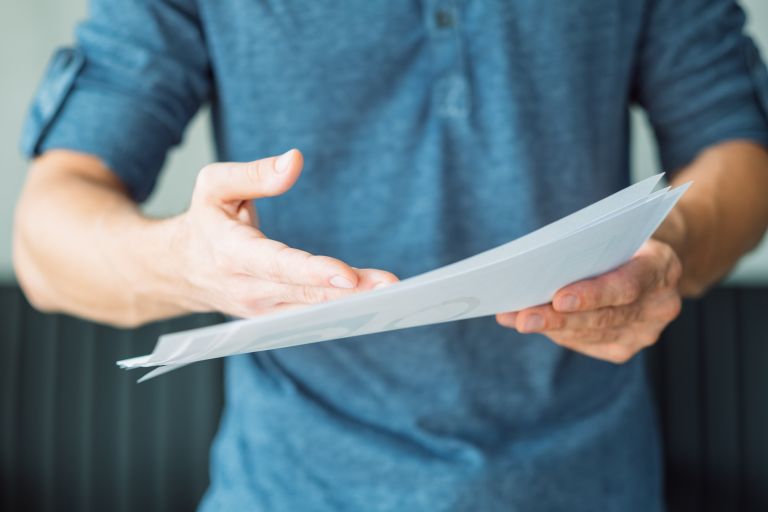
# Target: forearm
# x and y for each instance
(723, 215)
(82, 247)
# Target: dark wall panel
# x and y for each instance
(754, 400)
(710, 372)
(76, 433)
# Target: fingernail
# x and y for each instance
(568, 303)
(341, 282)
(534, 323)
(283, 162)
(382, 284)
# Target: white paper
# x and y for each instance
(520, 274)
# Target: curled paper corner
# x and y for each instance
(134, 362)
(160, 370)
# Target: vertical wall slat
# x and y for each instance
(142, 441)
(718, 322)
(105, 482)
(10, 395)
(204, 421)
(71, 405)
(124, 386)
(49, 370)
(681, 417)
(160, 420)
(87, 386)
(36, 411)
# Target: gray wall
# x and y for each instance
(30, 30)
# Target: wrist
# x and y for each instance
(157, 276)
(684, 234)
(673, 232)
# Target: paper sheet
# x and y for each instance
(522, 273)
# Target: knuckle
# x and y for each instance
(245, 299)
(635, 314)
(562, 338)
(554, 321)
(297, 262)
(674, 271)
(240, 292)
(204, 180)
(309, 294)
(557, 339)
(648, 339)
(275, 266)
(506, 320)
(603, 319)
(602, 336)
(302, 258)
(274, 270)
(253, 172)
(620, 354)
(248, 302)
(674, 308)
(224, 262)
(590, 296)
(631, 291)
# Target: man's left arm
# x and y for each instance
(722, 216)
(704, 87)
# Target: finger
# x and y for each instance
(248, 296)
(236, 181)
(573, 337)
(535, 319)
(507, 319)
(616, 288)
(306, 294)
(615, 353)
(276, 262)
(642, 336)
(246, 310)
(250, 311)
(545, 318)
(617, 346)
(372, 279)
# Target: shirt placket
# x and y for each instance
(451, 87)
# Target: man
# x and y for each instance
(429, 131)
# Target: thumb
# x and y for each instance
(234, 181)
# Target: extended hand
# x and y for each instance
(228, 265)
(612, 316)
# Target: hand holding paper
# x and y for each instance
(615, 315)
(520, 274)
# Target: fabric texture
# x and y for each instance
(431, 130)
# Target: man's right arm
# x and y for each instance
(81, 246)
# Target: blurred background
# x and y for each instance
(77, 434)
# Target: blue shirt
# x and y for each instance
(432, 130)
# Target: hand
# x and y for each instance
(228, 265)
(612, 316)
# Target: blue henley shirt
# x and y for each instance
(432, 130)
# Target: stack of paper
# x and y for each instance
(520, 274)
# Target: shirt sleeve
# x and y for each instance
(700, 78)
(126, 91)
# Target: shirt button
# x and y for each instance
(444, 19)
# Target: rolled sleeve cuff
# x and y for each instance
(68, 114)
(743, 116)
